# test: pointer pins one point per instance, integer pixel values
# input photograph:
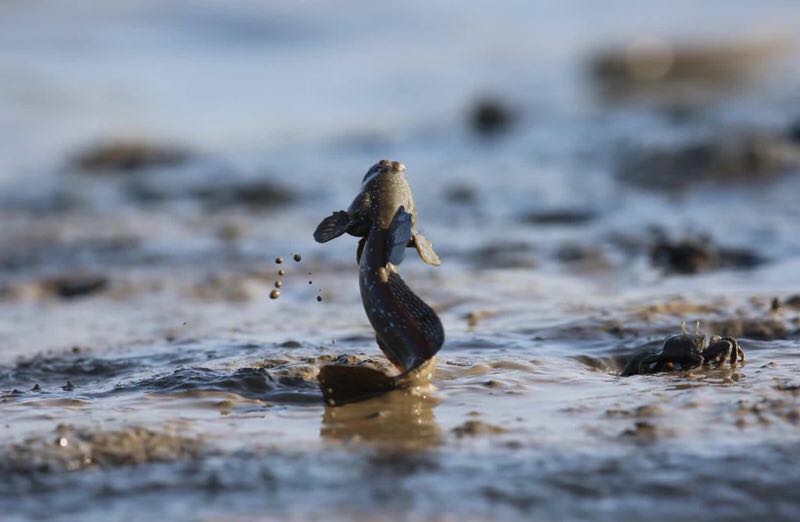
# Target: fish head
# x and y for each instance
(386, 188)
(383, 167)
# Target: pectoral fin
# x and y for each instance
(399, 236)
(332, 226)
(425, 250)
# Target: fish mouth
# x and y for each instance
(383, 167)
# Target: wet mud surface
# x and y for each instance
(145, 368)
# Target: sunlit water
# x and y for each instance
(193, 395)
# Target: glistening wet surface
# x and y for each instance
(145, 371)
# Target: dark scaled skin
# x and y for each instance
(383, 191)
(383, 214)
(686, 352)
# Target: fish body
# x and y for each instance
(383, 214)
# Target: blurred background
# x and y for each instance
(567, 159)
(619, 140)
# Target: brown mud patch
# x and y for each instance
(117, 156)
(73, 449)
(720, 160)
(475, 428)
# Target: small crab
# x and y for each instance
(685, 352)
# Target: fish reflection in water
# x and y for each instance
(402, 418)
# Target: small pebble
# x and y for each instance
(68, 387)
(281, 272)
(279, 260)
(278, 284)
(36, 387)
(275, 294)
(297, 257)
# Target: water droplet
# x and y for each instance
(297, 257)
(279, 260)
(281, 272)
(275, 294)
(319, 298)
(278, 284)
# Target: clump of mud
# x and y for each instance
(473, 428)
(253, 195)
(503, 255)
(767, 410)
(560, 216)
(583, 257)
(64, 286)
(128, 155)
(27, 252)
(491, 116)
(71, 449)
(461, 193)
(77, 285)
(643, 432)
(739, 157)
(692, 255)
(658, 69)
(760, 328)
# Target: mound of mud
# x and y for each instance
(728, 158)
(71, 449)
(128, 155)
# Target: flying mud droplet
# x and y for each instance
(297, 257)
(281, 272)
(275, 294)
(278, 260)
(278, 284)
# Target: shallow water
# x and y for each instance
(178, 389)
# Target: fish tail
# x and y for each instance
(426, 320)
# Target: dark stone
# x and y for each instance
(695, 255)
(70, 287)
(461, 193)
(490, 116)
(742, 157)
(562, 216)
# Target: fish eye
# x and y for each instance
(372, 171)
